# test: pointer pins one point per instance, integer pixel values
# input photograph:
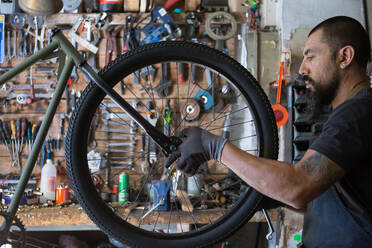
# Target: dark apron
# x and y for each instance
(329, 224)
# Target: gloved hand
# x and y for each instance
(198, 146)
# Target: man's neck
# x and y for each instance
(347, 84)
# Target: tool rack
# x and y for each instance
(70, 214)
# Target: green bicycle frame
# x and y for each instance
(64, 47)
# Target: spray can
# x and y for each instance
(111, 5)
(123, 187)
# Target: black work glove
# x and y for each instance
(198, 146)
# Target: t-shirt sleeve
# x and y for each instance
(341, 140)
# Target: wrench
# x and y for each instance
(22, 98)
(131, 144)
(36, 47)
(113, 130)
(11, 86)
(25, 44)
(120, 150)
(42, 36)
(20, 49)
(121, 138)
(9, 47)
(38, 77)
(107, 115)
(14, 43)
(135, 104)
(120, 123)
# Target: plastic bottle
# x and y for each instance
(48, 181)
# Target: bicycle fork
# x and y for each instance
(168, 144)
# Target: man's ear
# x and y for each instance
(346, 56)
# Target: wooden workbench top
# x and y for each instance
(74, 215)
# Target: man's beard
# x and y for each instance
(322, 96)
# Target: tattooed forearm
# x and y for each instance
(318, 165)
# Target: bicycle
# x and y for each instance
(230, 102)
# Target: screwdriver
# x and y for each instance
(18, 132)
(28, 143)
(6, 133)
(24, 122)
(35, 129)
(13, 129)
(8, 137)
(2, 133)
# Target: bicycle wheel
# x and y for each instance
(166, 209)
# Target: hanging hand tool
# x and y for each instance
(152, 116)
(14, 43)
(2, 39)
(25, 43)
(23, 133)
(163, 88)
(29, 136)
(144, 154)
(23, 98)
(148, 74)
(6, 140)
(11, 86)
(20, 49)
(18, 133)
(74, 36)
(13, 129)
(73, 100)
(130, 41)
(34, 130)
(9, 55)
(161, 27)
(280, 112)
(8, 137)
(167, 118)
(111, 43)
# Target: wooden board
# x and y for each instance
(74, 215)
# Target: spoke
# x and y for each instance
(170, 216)
(245, 137)
(156, 222)
(189, 210)
(231, 125)
(221, 113)
(230, 113)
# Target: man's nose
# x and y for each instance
(303, 69)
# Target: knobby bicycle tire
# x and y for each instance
(77, 143)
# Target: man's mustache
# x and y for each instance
(305, 78)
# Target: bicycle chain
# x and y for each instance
(13, 232)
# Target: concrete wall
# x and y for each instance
(298, 17)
